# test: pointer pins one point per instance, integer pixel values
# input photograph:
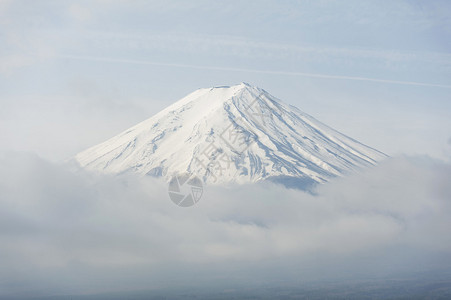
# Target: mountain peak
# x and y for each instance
(225, 134)
(239, 85)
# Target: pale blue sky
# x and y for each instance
(74, 73)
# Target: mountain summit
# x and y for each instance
(232, 134)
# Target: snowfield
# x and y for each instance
(232, 134)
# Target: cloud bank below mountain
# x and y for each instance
(78, 233)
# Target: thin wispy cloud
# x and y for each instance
(231, 45)
(231, 69)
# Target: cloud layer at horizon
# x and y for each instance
(64, 232)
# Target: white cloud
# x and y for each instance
(57, 223)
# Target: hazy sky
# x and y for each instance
(74, 73)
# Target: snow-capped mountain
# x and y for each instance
(231, 134)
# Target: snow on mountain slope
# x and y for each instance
(231, 134)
